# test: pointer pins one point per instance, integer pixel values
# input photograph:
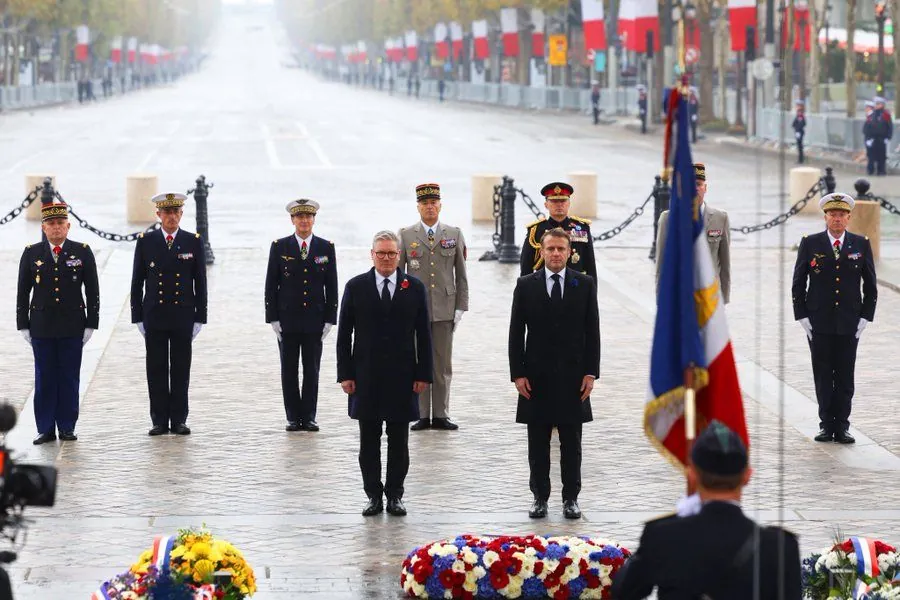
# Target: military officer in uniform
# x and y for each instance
(168, 305)
(717, 552)
(57, 320)
(557, 199)
(301, 306)
(831, 268)
(718, 235)
(435, 253)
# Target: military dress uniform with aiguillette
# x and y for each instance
(301, 294)
(168, 295)
(50, 304)
(579, 230)
(826, 290)
(438, 260)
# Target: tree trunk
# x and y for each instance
(17, 39)
(895, 10)
(787, 85)
(815, 98)
(724, 46)
(704, 23)
(850, 67)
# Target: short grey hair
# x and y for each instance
(385, 236)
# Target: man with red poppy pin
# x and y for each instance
(384, 361)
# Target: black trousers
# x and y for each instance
(168, 374)
(539, 435)
(300, 405)
(370, 458)
(800, 149)
(833, 363)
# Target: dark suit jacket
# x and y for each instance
(301, 294)
(175, 294)
(49, 300)
(560, 347)
(384, 351)
(690, 556)
(833, 302)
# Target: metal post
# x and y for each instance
(509, 250)
(661, 195)
(862, 189)
(201, 194)
(879, 19)
(830, 183)
(48, 195)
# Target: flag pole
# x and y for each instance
(690, 419)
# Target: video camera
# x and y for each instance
(20, 486)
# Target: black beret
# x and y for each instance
(719, 451)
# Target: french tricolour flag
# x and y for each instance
(741, 15)
(115, 50)
(82, 40)
(636, 18)
(456, 38)
(480, 37)
(412, 53)
(690, 329)
(509, 27)
(594, 25)
(132, 49)
(162, 549)
(538, 21)
(442, 49)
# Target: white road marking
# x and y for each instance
(274, 161)
(315, 147)
(176, 125)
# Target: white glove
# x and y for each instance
(457, 317)
(326, 329)
(87, 336)
(276, 327)
(797, 134)
(861, 327)
(807, 327)
(197, 328)
(26, 333)
(143, 331)
(869, 143)
(694, 118)
(688, 505)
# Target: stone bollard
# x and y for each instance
(139, 190)
(866, 217)
(483, 196)
(803, 178)
(32, 181)
(584, 197)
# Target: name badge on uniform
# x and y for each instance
(714, 233)
(578, 235)
(74, 263)
(447, 244)
(321, 260)
(186, 256)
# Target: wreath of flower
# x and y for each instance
(839, 572)
(531, 566)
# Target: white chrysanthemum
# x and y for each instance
(419, 590)
(469, 557)
(513, 588)
(571, 572)
(550, 565)
(458, 566)
(470, 585)
(489, 558)
(449, 550)
(604, 571)
(592, 593)
(530, 551)
(414, 560)
(887, 562)
(448, 594)
(834, 560)
(852, 558)
(479, 572)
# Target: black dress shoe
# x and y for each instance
(293, 426)
(395, 507)
(824, 436)
(67, 436)
(181, 429)
(843, 437)
(44, 438)
(538, 509)
(420, 425)
(158, 430)
(310, 426)
(374, 507)
(571, 510)
(444, 424)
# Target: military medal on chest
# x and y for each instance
(575, 256)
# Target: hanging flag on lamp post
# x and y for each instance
(82, 40)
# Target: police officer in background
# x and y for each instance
(301, 306)
(57, 320)
(694, 107)
(168, 305)
(729, 555)
(831, 266)
(870, 161)
(557, 200)
(642, 106)
(878, 131)
(435, 253)
(799, 126)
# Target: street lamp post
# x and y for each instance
(828, 8)
(880, 18)
(690, 13)
(801, 8)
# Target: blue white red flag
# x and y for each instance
(102, 593)
(691, 329)
(162, 549)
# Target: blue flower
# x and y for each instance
(486, 588)
(433, 586)
(576, 586)
(555, 551)
(459, 542)
(533, 587)
(443, 563)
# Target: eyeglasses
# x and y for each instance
(387, 254)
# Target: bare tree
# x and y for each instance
(850, 67)
(895, 12)
(817, 21)
(707, 60)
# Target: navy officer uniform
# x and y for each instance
(834, 294)
(301, 304)
(57, 320)
(582, 257)
(169, 304)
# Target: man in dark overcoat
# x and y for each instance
(384, 359)
(554, 358)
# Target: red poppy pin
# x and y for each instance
(812, 263)
(404, 284)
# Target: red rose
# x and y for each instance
(499, 580)
(468, 595)
(458, 592)
(538, 568)
(446, 578)
(592, 581)
(882, 548)
(562, 593)
(458, 580)
(605, 593)
(404, 284)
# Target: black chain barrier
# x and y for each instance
(531, 204)
(21, 207)
(606, 235)
(495, 239)
(115, 237)
(818, 187)
(885, 204)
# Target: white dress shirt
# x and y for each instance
(434, 227)
(300, 241)
(379, 282)
(166, 234)
(562, 282)
(834, 239)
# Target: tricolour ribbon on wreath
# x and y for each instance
(162, 549)
(866, 565)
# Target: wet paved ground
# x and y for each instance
(291, 502)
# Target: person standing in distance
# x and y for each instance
(57, 320)
(168, 305)
(435, 253)
(301, 306)
(383, 364)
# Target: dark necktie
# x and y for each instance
(304, 251)
(837, 248)
(169, 240)
(556, 293)
(430, 236)
(386, 296)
